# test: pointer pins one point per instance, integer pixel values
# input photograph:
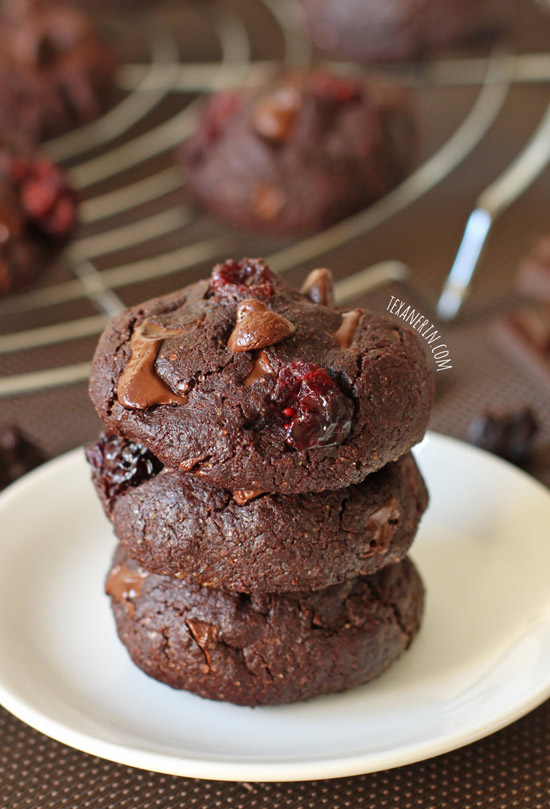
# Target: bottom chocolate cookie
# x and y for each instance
(264, 649)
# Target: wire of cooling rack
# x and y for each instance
(156, 81)
(151, 84)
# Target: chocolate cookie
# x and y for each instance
(533, 279)
(252, 385)
(56, 72)
(264, 649)
(393, 30)
(300, 152)
(510, 435)
(178, 525)
(17, 455)
(37, 216)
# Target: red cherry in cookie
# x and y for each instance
(251, 276)
(316, 412)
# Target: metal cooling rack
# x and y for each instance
(106, 150)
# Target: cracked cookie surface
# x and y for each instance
(178, 525)
(264, 649)
(326, 399)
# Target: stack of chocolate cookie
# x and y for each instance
(257, 472)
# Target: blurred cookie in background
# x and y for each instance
(510, 435)
(37, 215)
(56, 70)
(397, 30)
(17, 455)
(523, 333)
(533, 277)
(300, 152)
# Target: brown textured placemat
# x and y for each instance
(507, 770)
(510, 768)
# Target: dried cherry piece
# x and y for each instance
(217, 114)
(509, 435)
(334, 88)
(315, 412)
(251, 276)
(47, 198)
(118, 464)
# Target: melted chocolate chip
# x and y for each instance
(258, 327)
(260, 368)
(243, 496)
(139, 386)
(344, 335)
(187, 465)
(318, 287)
(383, 524)
(125, 585)
(205, 635)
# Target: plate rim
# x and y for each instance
(304, 769)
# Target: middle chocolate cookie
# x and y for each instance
(178, 525)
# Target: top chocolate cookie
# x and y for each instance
(255, 386)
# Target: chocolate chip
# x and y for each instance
(261, 367)
(187, 466)
(383, 524)
(318, 287)
(274, 116)
(243, 496)
(258, 327)
(205, 635)
(268, 202)
(139, 387)
(125, 585)
(350, 321)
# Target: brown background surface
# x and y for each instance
(510, 768)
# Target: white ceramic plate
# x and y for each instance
(482, 658)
